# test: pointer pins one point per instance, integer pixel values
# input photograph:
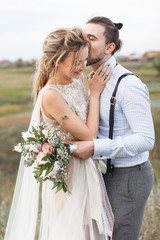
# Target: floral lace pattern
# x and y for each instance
(76, 97)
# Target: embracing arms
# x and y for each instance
(56, 107)
(135, 105)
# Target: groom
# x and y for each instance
(129, 185)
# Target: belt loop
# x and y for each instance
(140, 167)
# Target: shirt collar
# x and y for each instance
(111, 62)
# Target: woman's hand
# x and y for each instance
(98, 80)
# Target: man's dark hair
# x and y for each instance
(111, 32)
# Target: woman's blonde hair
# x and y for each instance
(58, 44)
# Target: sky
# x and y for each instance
(24, 24)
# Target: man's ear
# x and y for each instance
(109, 48)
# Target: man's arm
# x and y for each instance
(85, 149)
(135, 105)
(136, 108)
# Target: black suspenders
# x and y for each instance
(110, 167)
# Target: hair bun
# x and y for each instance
(118, 25)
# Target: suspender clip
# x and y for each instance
(113, 100)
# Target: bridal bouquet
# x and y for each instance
(45, 149)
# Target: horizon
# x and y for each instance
(118, 54)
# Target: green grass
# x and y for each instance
(16, 102)
(144, 70)
(15, 90)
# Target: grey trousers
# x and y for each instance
(128, 190)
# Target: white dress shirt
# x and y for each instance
(133, 134)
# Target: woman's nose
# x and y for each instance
(83, 67)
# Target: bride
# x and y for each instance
(59, 91)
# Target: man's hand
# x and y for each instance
(85, 149)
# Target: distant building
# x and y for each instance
(5, 63)
(133, 57)
(120, 58)
(150, 55)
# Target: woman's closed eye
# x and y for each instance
(81, 63)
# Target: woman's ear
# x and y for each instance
(109, 48)
(57, 64)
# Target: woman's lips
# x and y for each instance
(78, 73)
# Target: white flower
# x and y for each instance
(53, 173)
(18, 148)
(39, 157)
(27, 147)
(45, 132)
(43, 174)
(27, 156)
(32, 147)
(56, 167)
(26, 135)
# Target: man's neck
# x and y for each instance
(97, 65)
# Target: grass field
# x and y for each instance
(15, 109)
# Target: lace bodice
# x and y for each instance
(76, 97)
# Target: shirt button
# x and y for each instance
(101, 156)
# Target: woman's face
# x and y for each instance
(65, 66)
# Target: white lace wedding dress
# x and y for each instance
(86, 213)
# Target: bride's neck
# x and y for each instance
(60, 79)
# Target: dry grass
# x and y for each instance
(151, 222)
(15, 97)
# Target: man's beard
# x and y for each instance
(92, 61)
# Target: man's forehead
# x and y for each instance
(93, 29)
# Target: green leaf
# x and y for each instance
(67, 189)
(51, 158)
(60, 186)
(31, 139)
(55, 185)
(43, 167)
(38, 168)
(45, 158)
(49, 170)
(36, 133)
(41, 134)
(64, 189)
(39, 179)
(41, 128)
(35, 171)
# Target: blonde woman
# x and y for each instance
(59, 91)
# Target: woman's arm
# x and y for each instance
(56, 107)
